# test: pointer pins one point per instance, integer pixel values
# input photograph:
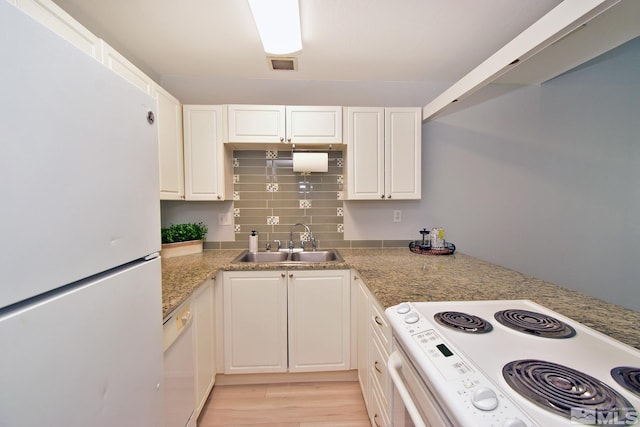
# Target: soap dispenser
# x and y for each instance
(253, 241)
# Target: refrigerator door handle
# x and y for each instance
(152, 256)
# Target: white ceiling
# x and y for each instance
(419, 41)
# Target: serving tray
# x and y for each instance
(417, 247)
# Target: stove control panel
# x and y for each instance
(463, 391)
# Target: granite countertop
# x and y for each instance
(395, 275)
(184, 274)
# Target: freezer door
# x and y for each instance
(79, 164)
(88, 356)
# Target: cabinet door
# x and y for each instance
(53, 17)
(203, 343)
(256, 123)
(362, 293)
(204, 153)
(365, 153)
(319, 320)
(125, 69)
(170, 145)
(255, 322)
(403, 130)
(314, 125)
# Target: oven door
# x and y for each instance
(412, 403)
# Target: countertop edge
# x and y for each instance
(395, 275)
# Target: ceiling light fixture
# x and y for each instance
(278, 23)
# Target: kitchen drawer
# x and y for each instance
(378, 368)
(378, 410)
(380, 325)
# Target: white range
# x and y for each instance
(507, 363)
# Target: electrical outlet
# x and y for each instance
(397, 216)
(225, 218)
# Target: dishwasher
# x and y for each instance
(179, 369)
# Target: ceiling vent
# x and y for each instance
(280, 63)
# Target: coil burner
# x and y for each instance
(533, 323)
(463, 322)
(567, 392)
(627, 377)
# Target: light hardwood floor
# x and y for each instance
(314, 404)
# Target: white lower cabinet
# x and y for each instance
(255, 322)
(363, 336)
(204, 342)
(319, 320)
(286, 321)
(374, 347)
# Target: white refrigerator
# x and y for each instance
(80, 285)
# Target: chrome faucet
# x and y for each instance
(277, 242)
(308, 230)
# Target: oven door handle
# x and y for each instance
(394, 367)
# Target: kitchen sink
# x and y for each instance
(247, 256)
(315, 256)
(328, 255)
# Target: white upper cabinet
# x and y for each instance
(53, 17)
(309, 125)
(125, 69)
(205, 158)
(256, 123)
(402, 153)
(365, 153)
(170, 145)
(274, 124)
(383, 153)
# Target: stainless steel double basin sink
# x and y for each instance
(329, 255)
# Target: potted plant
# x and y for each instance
(183, 239)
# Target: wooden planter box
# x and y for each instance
(170, 250)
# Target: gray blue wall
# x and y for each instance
(546, 179)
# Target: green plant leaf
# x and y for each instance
(184, 232)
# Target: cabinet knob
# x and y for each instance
(281, 139)
(219, 197)
(151, 118)
(375, 366)
(291, 275)
(382, 197)
(378, 321)
(389, 196)
(282, 275)
(289, 140)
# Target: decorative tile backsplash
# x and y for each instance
(270, 198)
